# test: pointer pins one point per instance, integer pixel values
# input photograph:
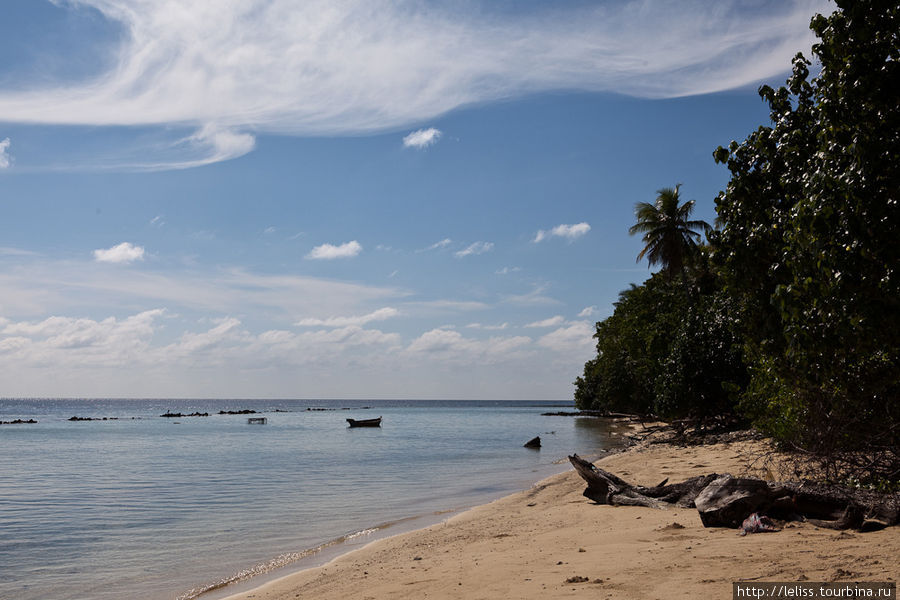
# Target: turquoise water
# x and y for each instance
(144, 507)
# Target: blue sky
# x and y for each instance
(349, 199)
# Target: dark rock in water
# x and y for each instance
(18, 422)
(170, 415)
(534, 442)
(588, 413)
(246, 411)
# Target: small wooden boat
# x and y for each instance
(365, 422)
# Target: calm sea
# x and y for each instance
(142, 507)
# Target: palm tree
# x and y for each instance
(670, 237)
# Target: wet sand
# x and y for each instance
(551, 542)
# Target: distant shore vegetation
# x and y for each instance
(789, 317)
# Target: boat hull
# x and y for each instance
(365, 422)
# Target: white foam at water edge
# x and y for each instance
(359, 534)
(276, 563)
(261, 569)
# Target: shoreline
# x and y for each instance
(335, 549)
(303, 560)
(257, 502)
(314, 557)
(550, 540)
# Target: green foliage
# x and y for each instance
(798, 319)
(670, 236)
(704, 365)
(621, 377)
(670, 349)
(809, 245)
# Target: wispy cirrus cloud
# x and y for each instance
(228, 71)
(475, 249)
(123, 253)
(213, 143)
(378, 315)
(536, 297)
(6, 251)
(331, 252)
(37, 287)
(570, 232)
(437, 245)
(498, 327)
(551, 322)
(442, 307)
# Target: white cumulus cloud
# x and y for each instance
(575, 338)
(475, 248)
(588, 311)
(330, 251)
(446, 345)
(570, 232)
(121, 254)
(60, 340)
(4, 153)
(422, 138)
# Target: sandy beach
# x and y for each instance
(550, 541)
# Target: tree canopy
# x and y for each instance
(809, 243)
(670, 349)
(800, 307)
(670, 236)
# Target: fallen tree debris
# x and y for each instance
(727, 501)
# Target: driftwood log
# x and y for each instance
(606, 488)
(725, 501)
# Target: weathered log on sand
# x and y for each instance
(728, 500)
(606, 488)
(725, 501)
